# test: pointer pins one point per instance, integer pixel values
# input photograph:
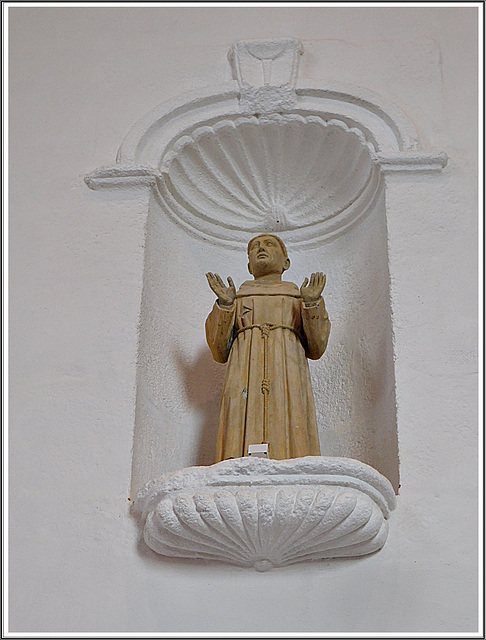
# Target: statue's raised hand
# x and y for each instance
(311, 290)
(226, 295)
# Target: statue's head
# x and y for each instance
(267, 254)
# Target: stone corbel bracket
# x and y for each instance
(254, 512)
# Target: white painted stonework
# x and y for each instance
(268, 513)
(266, 72)
(293, 173)
(304, 160)
(265, 153)
(111, 382)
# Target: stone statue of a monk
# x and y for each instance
(266, 331)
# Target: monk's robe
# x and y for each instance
(266, 337)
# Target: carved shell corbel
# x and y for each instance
(286, 512)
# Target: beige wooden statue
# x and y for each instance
(266, 331)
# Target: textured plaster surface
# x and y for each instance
(76, 262)
(179, 384)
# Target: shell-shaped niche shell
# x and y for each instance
(266, 527)
(273, 173)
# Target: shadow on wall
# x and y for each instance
(203, 382)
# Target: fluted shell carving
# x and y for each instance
(273, 173)
(264, 513)
(266, 528)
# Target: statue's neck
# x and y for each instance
(269, 278)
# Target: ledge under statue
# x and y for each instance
(271, 499)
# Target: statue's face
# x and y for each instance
(266, 257)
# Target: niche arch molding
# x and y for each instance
(356, 131)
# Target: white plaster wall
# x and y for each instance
(79, 78)
(179, 384)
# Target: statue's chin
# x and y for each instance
(265, 270)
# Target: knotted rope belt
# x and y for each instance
(265, 387)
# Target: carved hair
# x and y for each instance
(269, 235)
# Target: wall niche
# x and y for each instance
(266, 153)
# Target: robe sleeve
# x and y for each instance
(219, 331)
(316, 327)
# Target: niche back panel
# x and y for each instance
(179, 385)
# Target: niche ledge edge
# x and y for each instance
(264, 513)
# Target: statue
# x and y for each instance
(266, 331)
